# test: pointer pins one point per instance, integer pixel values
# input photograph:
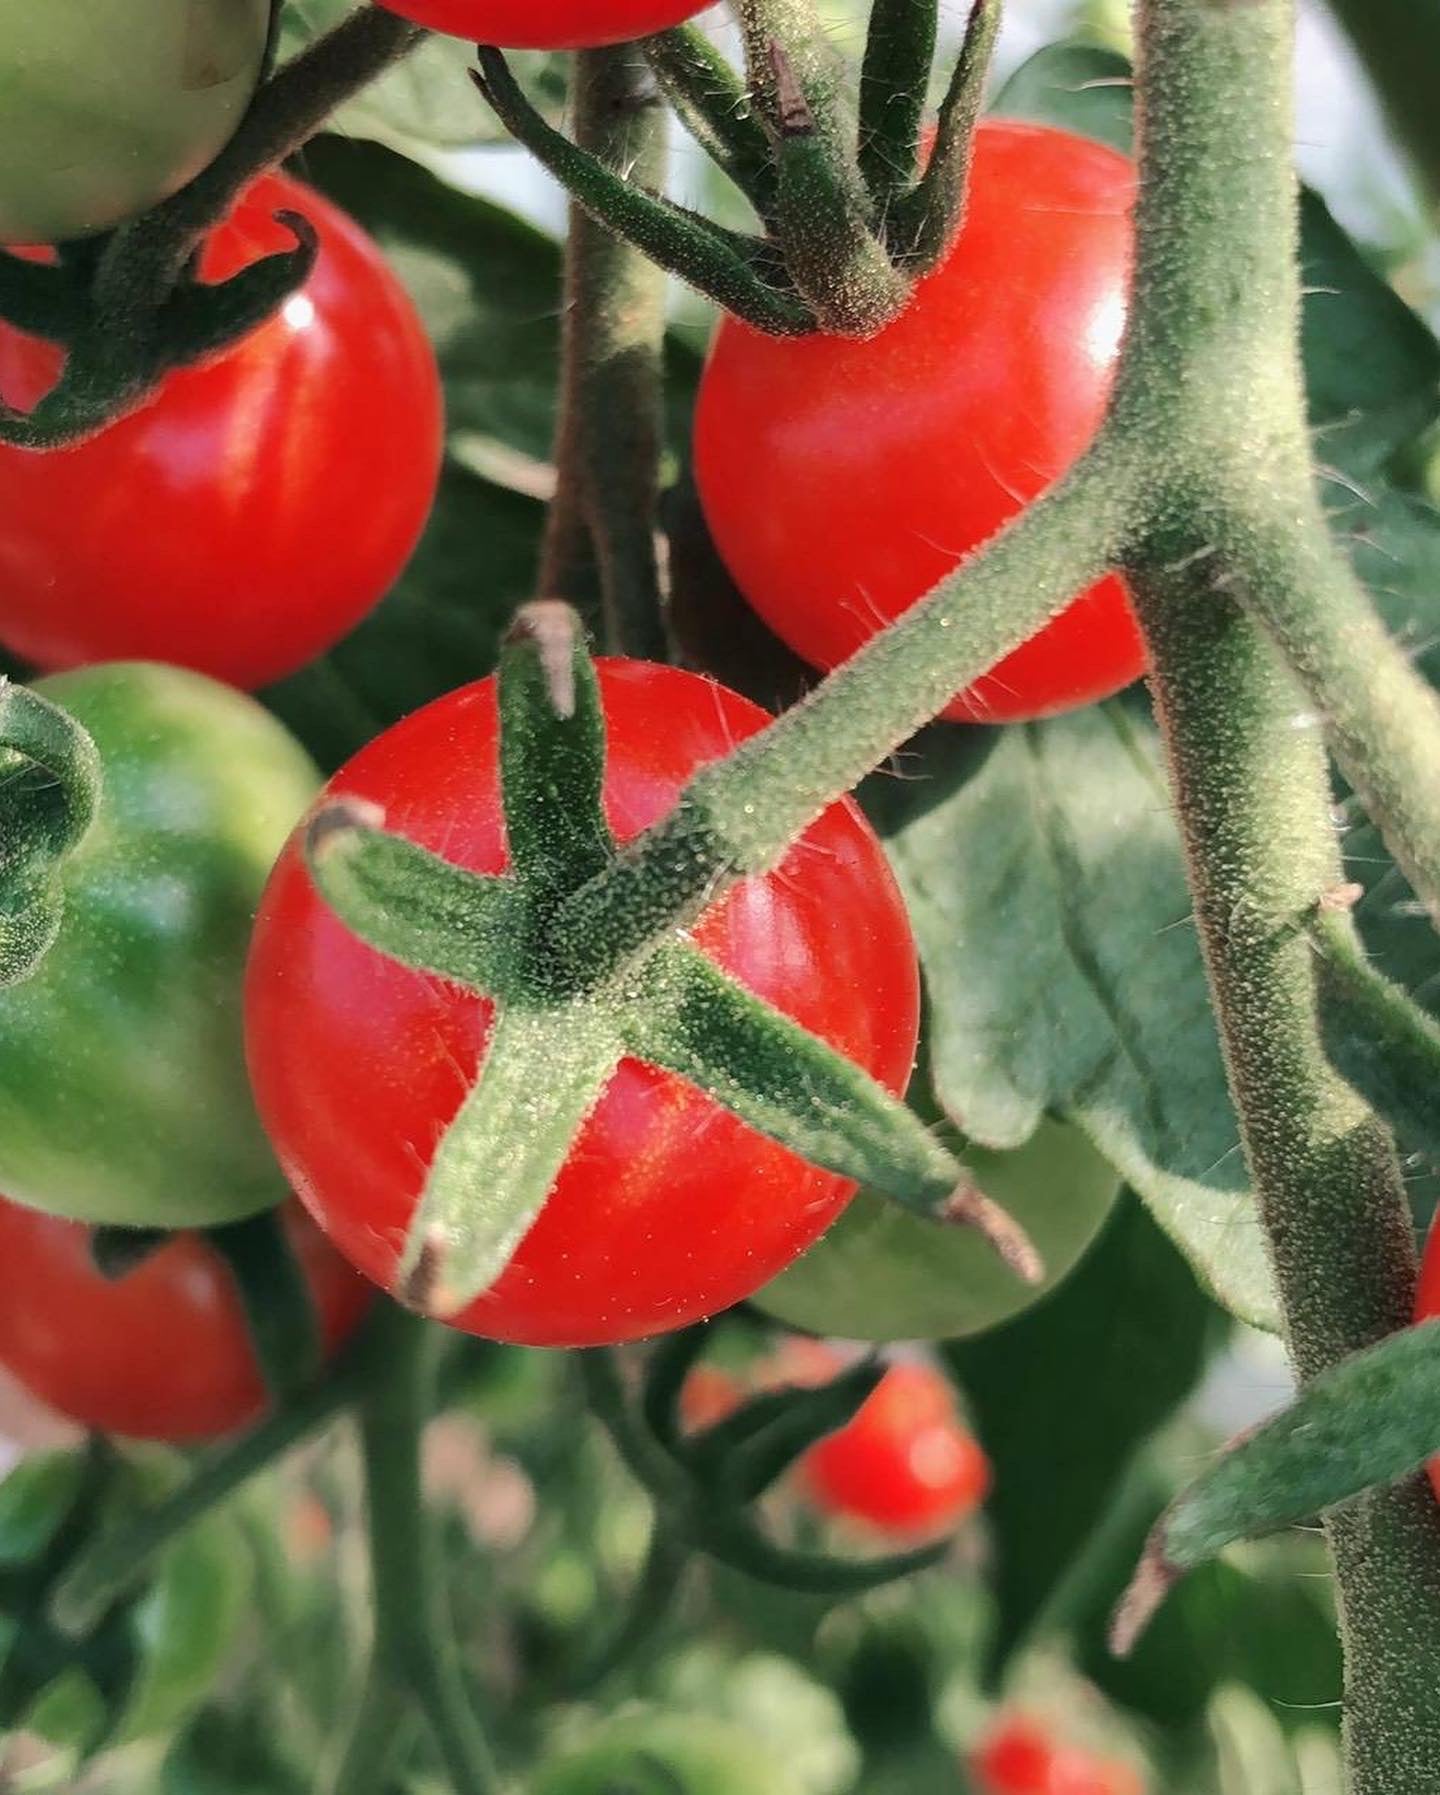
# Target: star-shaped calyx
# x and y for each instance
(582, 947)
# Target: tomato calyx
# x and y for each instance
(52, 792)
(571, 1003)
(703, 1482)
(129, 307)
(855, 205)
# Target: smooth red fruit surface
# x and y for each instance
(669, 1208)
(1427, 1307)
(547, 24)
(906, 1464)
(842, 480)
(259, 505)
(162, 1353)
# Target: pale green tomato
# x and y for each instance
(109, 106)
(125, 1097)
(882, 1273)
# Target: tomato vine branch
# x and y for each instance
(608, 445)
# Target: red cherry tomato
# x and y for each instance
(709, 1395)
(669, 1208)
(842, 480)
(547, 24)
(905, 1464)
(260, 505)
(1014, 1758)
(161, 1353)
(1019, 1756)
(1427, 1308)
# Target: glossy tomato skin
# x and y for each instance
(669, 1208)
(111, 105)
(124, 1097)
(905, 1465)
(1427, 1308)
(260, 505)
(843, 480)
(548, 24)
(162, 1353)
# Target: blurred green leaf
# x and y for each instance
(35, 1498)
(1063, 1398)
(426, 102)
(1370, 1420)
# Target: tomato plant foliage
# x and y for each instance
(1068, 1029)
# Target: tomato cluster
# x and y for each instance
(249, 516)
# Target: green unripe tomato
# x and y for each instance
(884, 1274)
(124, 1096)
(649, 1752)
(109, 106)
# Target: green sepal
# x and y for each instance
(733, 1540)
(922, 224)
(279, 1314)
(718, 263)
(1376, 1037)
(408, 903)
(748, 1451)
(694, 1020)
(713, 104)
(1368, 1421)
(202, 319)
(899, 51)
(117, 1251)
(670, 1366)
(40, 298)
(552, 751)
(543, 1073)
(52, 785)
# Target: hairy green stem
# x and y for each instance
(740, 815)
(414, 1648)
(1211, 381)
(650, 1606)
(608, 447)
(1399, 41)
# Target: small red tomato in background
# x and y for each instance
(1427, 1308)
(261, 504)
(906, 1464)
(161, 1353)
(1021, 1756)
(547, 24)
(669, 1208)
(842, 480)
(709, 1395)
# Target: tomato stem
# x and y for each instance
(415, 1649)
(607, 450)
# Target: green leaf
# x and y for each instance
(1048, 897)
(1371, 365)
(35, 1499)
(426, 102)
(1122, 1345)
(1370, 1420)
